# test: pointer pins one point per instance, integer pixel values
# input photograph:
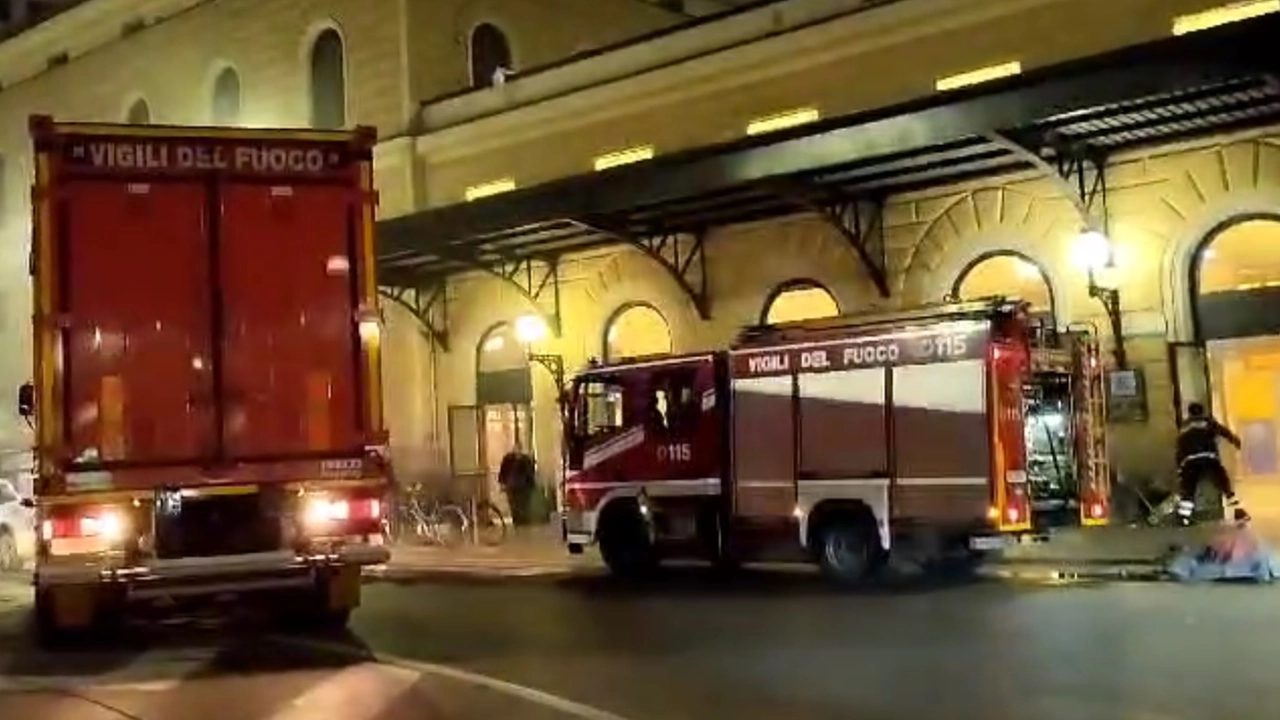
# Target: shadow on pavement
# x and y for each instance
(213, 646)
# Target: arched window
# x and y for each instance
(636, 330)
(490, 55)
(500, 350)
(139, 113)
(226, 97)
(328, 82)
(1244, 256)
(1006, 274)
(799, 300)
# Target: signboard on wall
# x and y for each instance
(1127, 395)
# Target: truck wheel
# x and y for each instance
(10, 560)
(849, 551)
(48, 634)
(625, 546)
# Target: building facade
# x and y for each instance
(288, 63)
(1179, 216)
(484, 102)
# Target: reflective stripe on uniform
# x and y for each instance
(1199, 456)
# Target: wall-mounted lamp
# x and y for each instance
(1094, 251)
(531, 329)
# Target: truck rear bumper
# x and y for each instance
(187, 577)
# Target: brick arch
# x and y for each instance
(985, 222)
(1200, 203)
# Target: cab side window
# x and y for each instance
(7, 493)
(673, 405)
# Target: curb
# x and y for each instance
(474, 574)
(1060, 574)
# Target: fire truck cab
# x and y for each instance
(836, 442)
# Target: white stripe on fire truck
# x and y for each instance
(914, 482)
(624, 442)
(683, 482)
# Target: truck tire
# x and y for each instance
(49, 635)
(10, 560)
(625, 546)
(849, 550)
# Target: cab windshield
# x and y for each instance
(598, 408)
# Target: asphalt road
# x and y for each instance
(761, 646)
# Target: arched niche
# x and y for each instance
(797, 300)
(489, 51)
(139, 113)
(226, 100)
(328, 72)
(636, 330)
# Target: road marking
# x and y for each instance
(360, 691)
(522, 692)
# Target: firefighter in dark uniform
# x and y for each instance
(1198, 459)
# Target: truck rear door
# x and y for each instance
(137, 352)
(291, 347)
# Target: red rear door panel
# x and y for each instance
(290, 346)
(138, 341)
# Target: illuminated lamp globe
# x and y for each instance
(1092, 250)
(530, 329)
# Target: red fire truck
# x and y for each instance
(833, 442)
(207, 393)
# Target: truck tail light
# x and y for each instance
(1094, 506)
(86, 530)
(108, 524)
(1016, 512)
(327, 515)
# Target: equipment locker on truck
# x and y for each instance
(206, 396)
(833, 441)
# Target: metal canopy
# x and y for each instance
(1081, 111)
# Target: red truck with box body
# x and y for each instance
(832, 441)
(206, 395)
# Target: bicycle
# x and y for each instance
(448, 524)
(435, 522)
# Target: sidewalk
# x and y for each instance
(1070, 553)
(527, 552)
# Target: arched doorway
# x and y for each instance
(1009, 274)
(501, 420)
(797, 300)
(1236, 289)
(636, 330)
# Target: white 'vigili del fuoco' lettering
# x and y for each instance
(768, 363)
(871, 354)
(164, 156)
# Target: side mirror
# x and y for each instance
(26, 400)
(27, 503)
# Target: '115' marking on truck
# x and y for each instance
(675, 452)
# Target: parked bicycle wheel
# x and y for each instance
(491, 524)
(449, 525)
(413, 523)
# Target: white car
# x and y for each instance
(17, 529)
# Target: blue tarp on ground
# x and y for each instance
(1202, 564)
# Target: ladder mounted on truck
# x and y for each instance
(980, 309)
(1095, 488)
